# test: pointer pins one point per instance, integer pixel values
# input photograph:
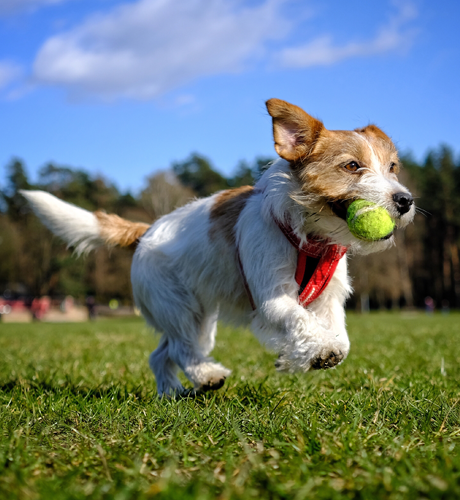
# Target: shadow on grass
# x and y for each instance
(117, 392)
(247, 394)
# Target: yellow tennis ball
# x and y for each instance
(368, 221)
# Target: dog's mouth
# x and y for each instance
(387, 237)
(340, 207)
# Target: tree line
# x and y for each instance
(425, 261)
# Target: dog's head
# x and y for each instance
(334, 167)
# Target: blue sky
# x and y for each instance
(124, 88)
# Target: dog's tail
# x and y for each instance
(80, 228)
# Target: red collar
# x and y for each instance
(316, 263)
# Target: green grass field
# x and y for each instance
(79, 417)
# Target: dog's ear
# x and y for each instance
(294, 131)
(373, 131)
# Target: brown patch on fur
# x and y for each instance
(117, 231)
(295, 132)
(323, 173)
(226, 210)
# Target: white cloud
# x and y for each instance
(9, 72)
(13, 6)
(146, 48)
(322, 51)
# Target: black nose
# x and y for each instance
(403, 202)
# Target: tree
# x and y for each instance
(17, 179)
(424, 262)
(441, 197)
(249, 173)
(197, 174)
(163, 194)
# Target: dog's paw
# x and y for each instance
(211, 377)
(282, 364)
(314, 357)
(212, 385)
(328, 359)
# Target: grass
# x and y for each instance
(79, 417)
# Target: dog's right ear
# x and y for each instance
(294, 131)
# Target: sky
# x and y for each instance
(124, 88)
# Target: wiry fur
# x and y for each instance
(185, 271)
(78, 227)
(117, 231)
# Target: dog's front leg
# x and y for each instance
(304, 340)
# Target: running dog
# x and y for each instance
(272, 255)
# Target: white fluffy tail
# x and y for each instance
(80, 228)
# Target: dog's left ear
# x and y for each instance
(294, 131)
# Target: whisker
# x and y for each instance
(422, 211)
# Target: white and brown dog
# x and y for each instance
(271, 255)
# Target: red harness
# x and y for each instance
(316, 264)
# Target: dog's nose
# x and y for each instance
(403, 202)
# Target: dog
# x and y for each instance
(271, 255)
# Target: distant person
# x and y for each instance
(91, 306)
(35, 309)
(39, 307)
(445, 307)
(429, 305)
(67, 304)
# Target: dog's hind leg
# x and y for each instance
(165, 370)
(172, 307)
(172, 353)
(191, 357)
(205, 373)
(188, 338)
(190, 351)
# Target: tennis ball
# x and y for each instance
(367, 221)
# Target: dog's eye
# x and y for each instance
(392, 168)
(352, 166)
